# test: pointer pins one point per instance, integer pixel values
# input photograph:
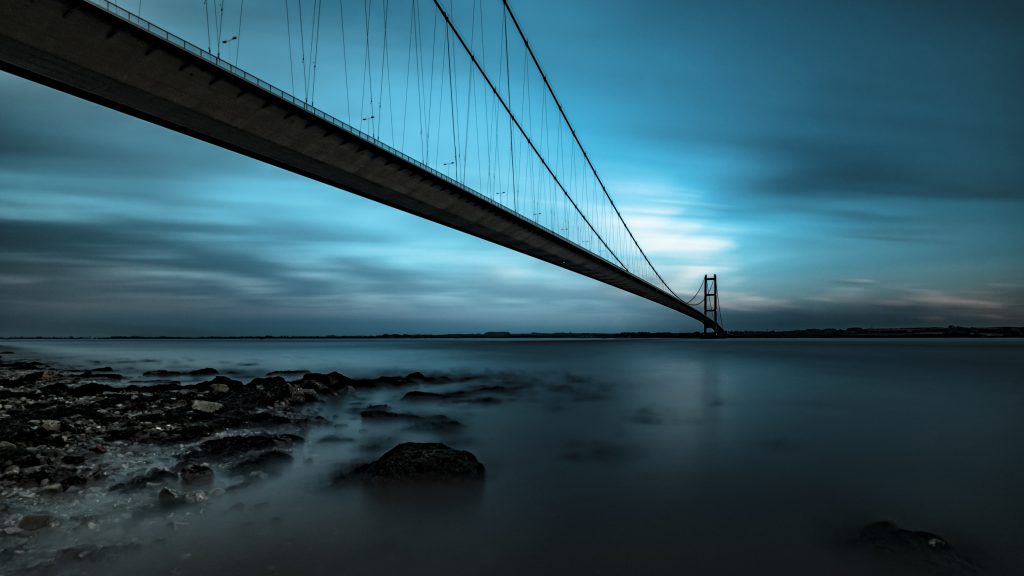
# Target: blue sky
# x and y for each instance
(836, 163)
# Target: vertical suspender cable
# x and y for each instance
(580, 144)
(494, 89)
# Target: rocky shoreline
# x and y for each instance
(81, 451)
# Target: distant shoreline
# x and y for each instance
(922, 332)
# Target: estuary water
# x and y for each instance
(621, 457)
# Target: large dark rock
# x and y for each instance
(915, 548)
(332, 381)
(413, 462)
(162, 373)
(203, 372)
(269, 390)
(196, 474)
(34, 522)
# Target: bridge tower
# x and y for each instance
(711, 304)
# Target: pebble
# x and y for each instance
(206, 406)
(50, 425)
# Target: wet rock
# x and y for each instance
(97, 375)
(914, 547)
(435, 422)
(203, 372)
(169, 498)
(413, 462)
(153, 476)
(24, 365)
(35, 377)
(196, 474)
(50, 425)
(286, 372)
(197, 497)
(229, 447)
(221, 385)
(6, 446)
(162, 373)
(73, 459)
(471, 395)
(421, 395)
(206, 406)
(34, 522)
(90, 389)
(272, 462)
(333, 380)
(51, 488)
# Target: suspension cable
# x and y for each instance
(580, 144)
(521, 131)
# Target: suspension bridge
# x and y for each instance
(442, 111)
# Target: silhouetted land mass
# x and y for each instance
(920, 332)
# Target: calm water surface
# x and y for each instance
(624, 457)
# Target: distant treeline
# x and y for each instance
(931, 332)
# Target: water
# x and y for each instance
(647, 457)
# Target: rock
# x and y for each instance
(6, 446)
(219, 388)
(33, 522)
(54, 488)
(196, 474)
(90, 389)
(73, 459)
(421, 395)
(11, 531)
(922, 549)
(50, 425)
(234, 446)
(333, 381)
(161, 373)
(153, 476)
(203, 372)
(101, 375)
(271, 462)
(231, 383)
(436, 422)
(168, 497)
(269, 390)
(197, 497)
(34, 377)
(206, 406)
(413, 462)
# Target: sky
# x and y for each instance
(836, 163)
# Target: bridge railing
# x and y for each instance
(159, 32)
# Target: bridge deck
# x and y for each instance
(86, 51)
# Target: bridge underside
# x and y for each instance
(83, 50)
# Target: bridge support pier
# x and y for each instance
(712, 328)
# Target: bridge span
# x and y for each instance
(103, 54)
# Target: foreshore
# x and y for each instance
(86, 453)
